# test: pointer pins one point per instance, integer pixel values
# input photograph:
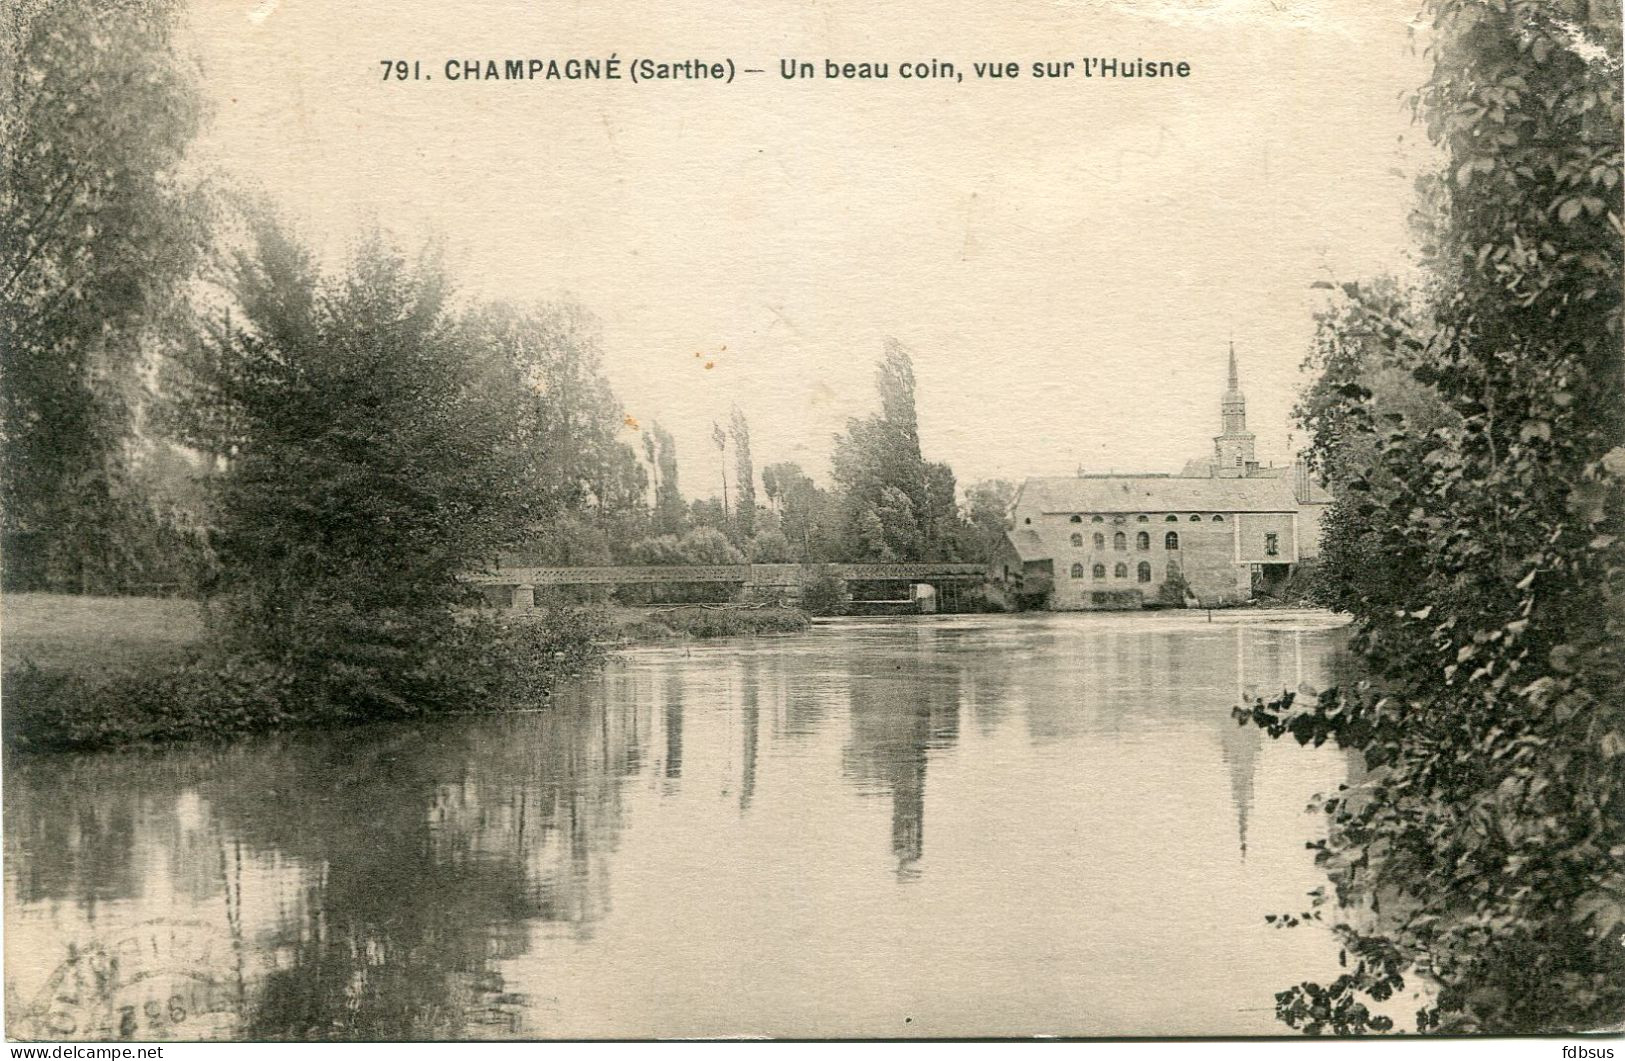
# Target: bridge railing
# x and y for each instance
(753, 574)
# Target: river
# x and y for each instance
(1006, 825)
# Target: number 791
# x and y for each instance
(401, 69)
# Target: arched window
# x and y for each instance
(1097, 519)
(1077, 541)
(1143, 519)
(1170, 519)
(1144, 572)
(1120, 571)
(1028, 520)
(1100, 541)
(1195, 518)
(1077, 570)
(1272, 544)
(1100, 570)
(1077, 519)
(1142, 541)
(1170, 540)
(1218, 518)
(1120, 541)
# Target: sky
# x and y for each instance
(1065, 260)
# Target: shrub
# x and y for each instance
(482, 663)
(1171, 594)
(209, 695)
(825, 594)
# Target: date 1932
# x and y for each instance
(403, 70)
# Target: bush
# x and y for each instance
(482, 663)
(205, 696)
(1171, 594)
(824, 595)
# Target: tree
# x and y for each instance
(880, 472)
(670, 513)
(941, 516)
(744, 476)
(573, 422)
(770, 546)
(719, 438)
(1492, 720)
(375, 455)
(707, 545)
(987, 515)
(99, 236)
(807, 513)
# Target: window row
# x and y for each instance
(1142, 541)
(1142, 573)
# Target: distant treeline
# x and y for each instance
(150, 314)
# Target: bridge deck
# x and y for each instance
(753, 574)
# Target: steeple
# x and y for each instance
(1233, 447)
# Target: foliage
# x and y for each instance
(1481, 549)
(149, 703)
(375, 446)
(99, 235)
(584, 475)
(987, 516)
(488, 664)
(897, 507)
(808, 514)
(770, 546)
(744, 478)
(703, 545)
(661, 451)
(1172, 592)
(1306, 583)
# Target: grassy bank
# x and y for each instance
(64, 633)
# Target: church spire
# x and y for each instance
(1233, 446)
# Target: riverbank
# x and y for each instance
(109, 672)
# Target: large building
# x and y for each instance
(1222, 531)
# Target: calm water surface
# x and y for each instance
(1042, 824)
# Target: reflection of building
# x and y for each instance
(908, 708)
(1239, 746)
(1113, 541)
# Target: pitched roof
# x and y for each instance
(1157, 493)
(1028, 545)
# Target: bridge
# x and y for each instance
(745, 582)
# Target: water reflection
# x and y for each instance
(724, 839)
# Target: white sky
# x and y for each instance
(1065, 260)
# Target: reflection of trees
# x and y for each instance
(389, 870)
(750, 708)
(903, 704)
(70, 835)
(436, 846)
(674, 724)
